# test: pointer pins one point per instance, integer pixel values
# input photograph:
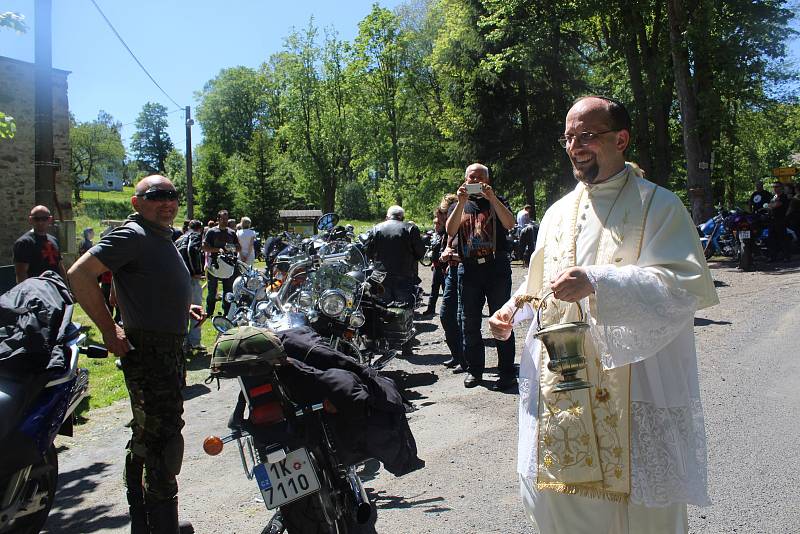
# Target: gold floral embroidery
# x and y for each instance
(602, 395)
(589, 461)
(611, 421)
(585, 439)
(617, 452)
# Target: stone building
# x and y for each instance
(17, 173)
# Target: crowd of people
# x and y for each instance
(618, 254)
(783, 208)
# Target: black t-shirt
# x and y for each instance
(40, 252)
(758, 199)
(219, 237)
(779, 212)
(481, 233)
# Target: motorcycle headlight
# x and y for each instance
(262, 311)
(304, 299)
(332, 302)
(357, 319)
(253, 283)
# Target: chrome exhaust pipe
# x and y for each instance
(363, 507)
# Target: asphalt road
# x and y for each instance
(749, 376)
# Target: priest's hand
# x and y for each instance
(500, 323)
(571, 285)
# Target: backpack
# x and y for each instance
(189, 246)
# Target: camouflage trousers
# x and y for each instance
(155, 373)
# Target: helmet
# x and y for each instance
(223, 266)
(246, 350)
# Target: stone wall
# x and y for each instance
(17, 173)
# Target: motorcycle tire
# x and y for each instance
(313, 514)
(746, 255)
(32, 524)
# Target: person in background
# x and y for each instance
(36, 251)
(86, 244)
(246, 237)
(793, 211)
(524, 216)
(190, 246)
(214, 242)
(480, 222)
(440, 241)
(759, 197)
(398, 246)
(777, 244)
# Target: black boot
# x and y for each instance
(138, 515)
(163, 519)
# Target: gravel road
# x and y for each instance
(749, 377)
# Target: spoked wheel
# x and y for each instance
(320, 513)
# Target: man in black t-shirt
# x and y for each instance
(481, 222)
(777, 243)
(214, 242)
(36, 251)
(759, 197)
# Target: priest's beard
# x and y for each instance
(588, 175)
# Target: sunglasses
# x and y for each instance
(159, 194)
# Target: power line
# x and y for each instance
(121, 40)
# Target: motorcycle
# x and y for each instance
(35, 408)
(716, 237)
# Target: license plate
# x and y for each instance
(287, 480)
(744, 234)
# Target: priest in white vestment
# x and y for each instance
(628, 454)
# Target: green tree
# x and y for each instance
(175, 170)
(151, 143)
(95, 149)
(231, 107)
(16, 22)
(214, 191)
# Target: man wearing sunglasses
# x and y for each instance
(153, 288)
(36, 251)
(623, 451)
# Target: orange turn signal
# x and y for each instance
(212, 445)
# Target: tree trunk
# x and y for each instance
(698, 172)
(641, 128)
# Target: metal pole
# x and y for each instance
(44, 167)
(189, 186)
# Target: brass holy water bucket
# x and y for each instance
(564, 342)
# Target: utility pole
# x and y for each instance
(44, 166)
(189, 187)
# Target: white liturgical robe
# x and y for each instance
(641, 316)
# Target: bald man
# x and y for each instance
(153, 288)
(36, 251)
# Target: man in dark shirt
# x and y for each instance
(759, 197)
(36, 251)
(398, 246)
(481, 222)
(777, 244)
(214, 242)
(153, 289)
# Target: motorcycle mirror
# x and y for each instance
(327, 222)
(221, 324)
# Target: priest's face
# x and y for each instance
(596, 151)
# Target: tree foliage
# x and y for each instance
(151, 143)
(95, 149)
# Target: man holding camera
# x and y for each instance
(479, 221)
(216, 240)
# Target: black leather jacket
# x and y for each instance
(398, 246)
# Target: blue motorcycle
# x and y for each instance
(716, 237)
(34, 408)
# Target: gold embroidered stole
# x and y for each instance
(584, 435)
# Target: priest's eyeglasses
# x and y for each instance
(583, 138)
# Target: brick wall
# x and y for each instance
(16, 155)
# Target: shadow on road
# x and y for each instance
(407, 381)
(702, 321)
(73, 486)
(384, 501)
(426, 327)
(194, 391)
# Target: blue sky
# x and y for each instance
(182, 44)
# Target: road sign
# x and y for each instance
(784, 171)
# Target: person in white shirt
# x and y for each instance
(247, 237)
(524, 216)
(626, 455)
